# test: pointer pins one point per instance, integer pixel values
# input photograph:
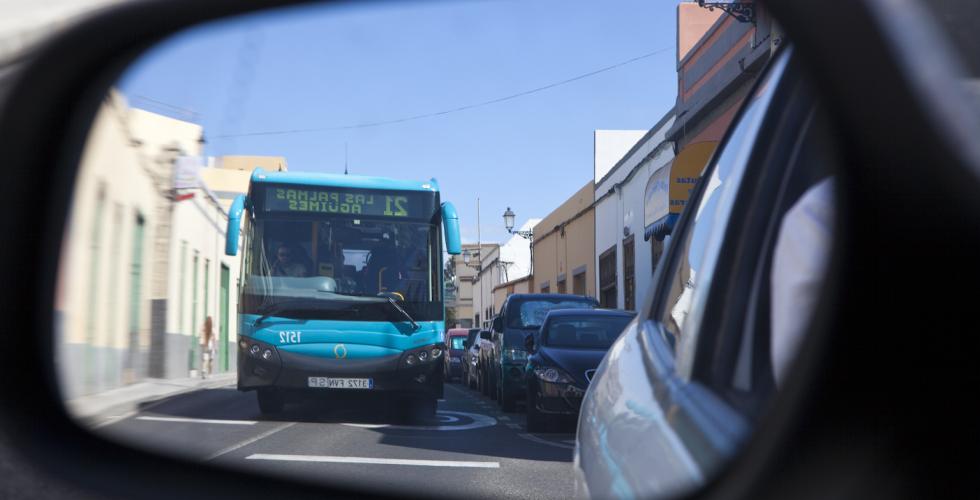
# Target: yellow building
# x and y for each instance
(564, 247)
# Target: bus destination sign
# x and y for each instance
(339, 201)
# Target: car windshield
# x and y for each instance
(456, 343)
(530, 313)
(584, 332)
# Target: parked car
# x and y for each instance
(503, 355)
(471, 353)
(678, 392)
(563, 357)
(453, 362)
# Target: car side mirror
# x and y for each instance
(476, 347)
(486, 335)
(498, 324)
(529, 343)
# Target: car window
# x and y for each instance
(531, 313)
(472, 335)
(456, 342)
(583, 332)
(696, 250)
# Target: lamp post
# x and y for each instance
(528, 235)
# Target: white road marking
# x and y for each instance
(198, 420)
(248, 441)
(478, 421)
(514, 426)
(503, 417)
(378, 461)
(531, 437)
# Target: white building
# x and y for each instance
(499, 265)
(625, 244)
(142, 261)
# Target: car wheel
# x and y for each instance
(270, 401)
(507, 402)
(492, 377)
(536, 421)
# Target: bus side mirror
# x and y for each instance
(234, 225)
(450, 225)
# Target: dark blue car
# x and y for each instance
(565, 353)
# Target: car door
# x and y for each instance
(677, 393)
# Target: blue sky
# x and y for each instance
(327, 67)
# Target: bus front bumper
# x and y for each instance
(292, 372)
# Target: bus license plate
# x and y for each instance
(341, 383)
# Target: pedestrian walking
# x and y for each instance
(207, 348)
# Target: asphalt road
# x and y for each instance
(471, 449)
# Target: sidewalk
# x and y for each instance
(127, 399)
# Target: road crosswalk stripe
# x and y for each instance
(368, 460)
(198, 420)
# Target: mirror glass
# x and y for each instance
(301, 330)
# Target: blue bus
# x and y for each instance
(341, 287)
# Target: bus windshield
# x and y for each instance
(342, 267)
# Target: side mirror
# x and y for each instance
(450, 226)
(486, 335)
(234, 225)
(476, 347)
(529, 343)
(498, 324)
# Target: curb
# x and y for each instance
(101, 409)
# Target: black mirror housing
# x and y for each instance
(486, 335)
(529, 343)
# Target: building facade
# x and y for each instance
(718, 60)
(143, 262)
(564, 247)
(626, 250)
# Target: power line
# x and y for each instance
(451, 110)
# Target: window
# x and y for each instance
(546, 287)
(656, 251)
(699, 244)
(561, 287)
(456, 343)
(578, 283)
(584, 332)
(629, 274)
(607, 278)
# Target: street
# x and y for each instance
(472, 450)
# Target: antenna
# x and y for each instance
(345, 158)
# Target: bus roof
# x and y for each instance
(260, 176)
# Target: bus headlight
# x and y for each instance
(436, 352)
(267, 354)
(254, 350)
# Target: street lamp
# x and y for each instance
(528, 235)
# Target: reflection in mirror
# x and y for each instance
(278, 217)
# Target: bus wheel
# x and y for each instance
(270, 400)
(419, 409)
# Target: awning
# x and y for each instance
(661, 227)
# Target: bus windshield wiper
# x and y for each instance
(415, 326)
(295, 304)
